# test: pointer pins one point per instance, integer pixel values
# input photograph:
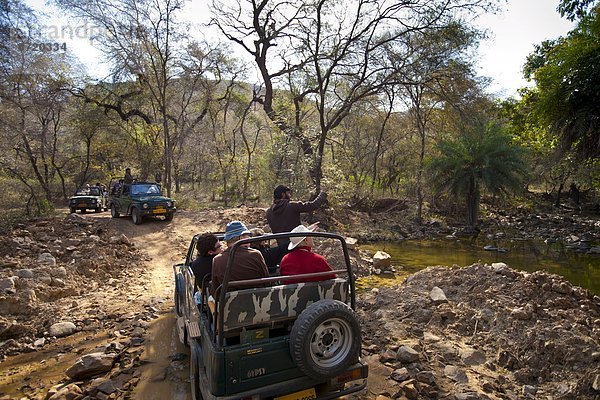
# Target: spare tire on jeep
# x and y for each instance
(325, 339)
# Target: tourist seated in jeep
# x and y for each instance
(272, 255)
(208, 246)
(302, 260)
(249, 263)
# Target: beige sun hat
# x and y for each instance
(295, 241)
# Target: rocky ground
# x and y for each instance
(78, 295)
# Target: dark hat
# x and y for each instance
(279, 190)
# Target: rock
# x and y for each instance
(594, 250)
(472, 357)
(28, 295)
(455, 373)
(596, 383)
(94, 238)
(409, 389)
(39, 342)
(60, 272)
(68, 392)
(521, 313)
(24, 273)
(382, 397)
(46, 259)
(382, 260)
(8, 263)
(351, 243)
(562, 287)
(489, 247)
(437, 295)
(90, 365)
(528, 390)
(426, 377)
(8, 283)
(400, 375)
(61, 329)
(407, 354)
(387, 356)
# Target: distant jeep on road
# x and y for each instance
(139, 200)
(88, 198)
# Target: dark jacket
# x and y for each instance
(284, 215)
(247, 264)
(201, 266)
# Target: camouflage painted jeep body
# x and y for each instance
(294, 341)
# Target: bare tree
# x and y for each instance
(335, 52)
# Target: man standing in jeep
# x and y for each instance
(284, 214)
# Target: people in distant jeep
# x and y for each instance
(208, 246)
(302, 260)
(284, 214)
(248, 263)
(128, 178)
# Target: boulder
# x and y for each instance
(8, 283)
(24, 273)
(472, 356)
(61, 329)
(91, 365)
(382, 260)
(68, 392)
(437, 295)
(456, 374)
(46, 259)
(407, 354)
(351, 243)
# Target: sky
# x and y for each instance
(513, 35)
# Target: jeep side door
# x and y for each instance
(125, 199)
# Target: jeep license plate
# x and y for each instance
(159, 210)
(301, 395)
(81, 205)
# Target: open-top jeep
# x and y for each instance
(140, 199)
(88, 198)
(271, 340)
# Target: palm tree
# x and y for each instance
(480, 156)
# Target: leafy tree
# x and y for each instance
(567, 76)
(482, 157)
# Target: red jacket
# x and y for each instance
(302, 260)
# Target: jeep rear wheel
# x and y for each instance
(98, 209)
(194, 371)
(135, 216)
(73, 210)
(113, 211)
(169, 216)
(325, 339)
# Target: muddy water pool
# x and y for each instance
(526, 255)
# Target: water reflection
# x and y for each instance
(526, 255)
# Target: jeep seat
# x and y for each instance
(274, 304)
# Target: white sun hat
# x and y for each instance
(295, 241)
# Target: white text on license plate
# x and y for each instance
(302, 395)
(159, 210)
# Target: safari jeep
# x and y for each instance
(280, 341)
(139, 200)
(88, 198)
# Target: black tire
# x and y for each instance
(73, 210)
(98, 210)
(83, 210)
(325, 339)
(194, 371)
(169, 217)
(113, 211)
(135, 216)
